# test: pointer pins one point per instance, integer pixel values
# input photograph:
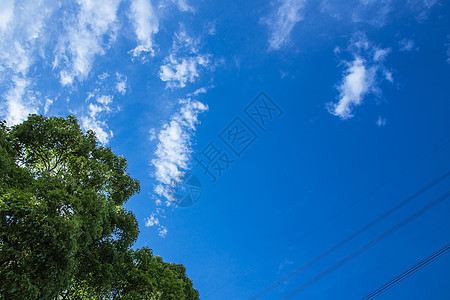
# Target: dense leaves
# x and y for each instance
(64, 233)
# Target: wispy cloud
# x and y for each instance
(146, 25)
(100, 128)
(197, 92)
(154, 221)
(448, 48)
(22, 36)
(176, 72)
(6, 13)
(48, 103)
(360, 77)
(282, 21)
(173, 152)
(94, 119)
(422, 8)
(173, 155)
(377, 13)
(184, 63)
(19, 102)
(374, 12)
(406, 45)
(99, 105)
(89, 33)
(381, 122)
(183, 5)
(121, 84)
(68, 37)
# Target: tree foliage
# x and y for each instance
(64, 233)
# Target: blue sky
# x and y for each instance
(355, 107)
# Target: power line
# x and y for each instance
(368, 245)
(409, 272)
(390, 179)
(352, 236)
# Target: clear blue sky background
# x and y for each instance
(364, 89)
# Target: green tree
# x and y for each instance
(64, 233)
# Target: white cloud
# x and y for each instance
(374, 12)
(185, 61)
(281, 22)
(152, 134)
(422, 8)
(183, 6)
(360, 77)
(48, 102)
(327, 8)
(99, 107)
(448, 49)
(197, 92)
(176, 72)
(22, 38)
(19, 103)
(388, 76)
(104, 99)
(406, 45)
(377, 13)
(185, 43)
(94, 110)
(99, 127)
(152, 220)
(97, 111)
(211, 28)
(380, 54)
(357, 82)
(21, 25)
(103, 76)
(121, 85)
(96, 116)
(173, 152)
(145, 24)
(6, 13)
(172, 156)
(84, 40)
(381, 122)
(162, 231)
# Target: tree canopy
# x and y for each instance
(64, 233)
